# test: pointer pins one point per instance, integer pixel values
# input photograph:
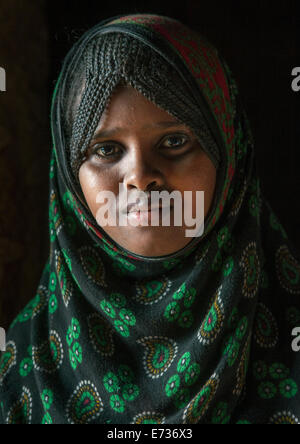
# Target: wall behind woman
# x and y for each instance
(24, 152)
(257, 38)
(261, 42)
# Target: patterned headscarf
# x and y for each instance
(199, 336)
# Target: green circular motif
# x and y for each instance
(172, 311)
(278, 371)
(180, 293)
(68, 200)
(288, 388)
(184, 362)
(293, 316)
(233, 318)
(173, 385)
(125, 374)
(153, 288)
(26, 367)
(223, 236)
(220, 414)
(186, 319)
(127, 316)
(201, 402)
(52, 170)
(69, 337)
(52, 231)
(192, 374)
(118, 300)
(62, 276)
(75, 327)
(161, 356)
(108, 308)
(122, 328)
(190, 297)
(28, 311)
(130, 392)
(182, 398)
(231, 350)
(55, 351)
(117, 403)
(53, 281)
(53, 304)
(267, 390)
(111, 382)
(47, 398)
(265, 328)
(73, 360)
(77, 351)
(70, 225)
(54, 211)
(211, 320)
(241, 328)
(260, 370)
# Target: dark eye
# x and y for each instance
(176, 141)
(104, 151)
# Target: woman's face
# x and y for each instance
(143, 148)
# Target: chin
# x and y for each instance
(148, 252)
(155, 246)
(150, 241)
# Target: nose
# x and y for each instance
(141, 174)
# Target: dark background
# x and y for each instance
(260, 41)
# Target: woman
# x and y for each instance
(143, 324)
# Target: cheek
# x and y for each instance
(92, 182)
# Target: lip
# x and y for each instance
(134, 208)
(148, 210)
(145, 216)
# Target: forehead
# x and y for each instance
(127, 107)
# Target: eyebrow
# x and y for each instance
(112, 131)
